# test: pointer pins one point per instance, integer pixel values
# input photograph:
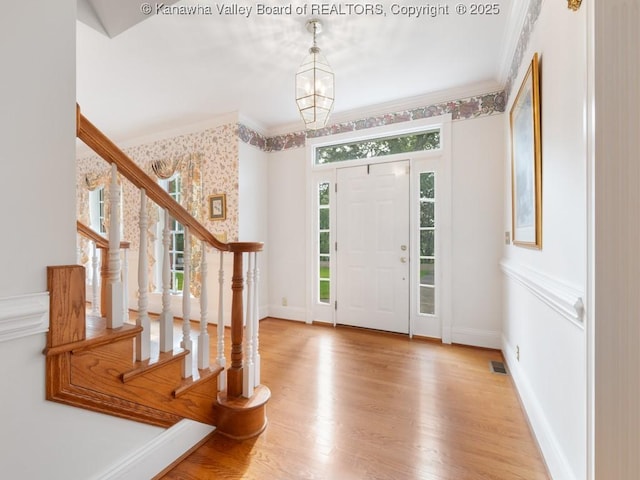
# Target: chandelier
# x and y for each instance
(315, 84)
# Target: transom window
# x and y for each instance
(378, 147)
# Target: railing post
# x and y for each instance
(186, 342)
(166, 318)
(220, 358)
(114, 287)
(248, 379)
(256, 328)
(235, 372)
(203, 338)
(143, 340)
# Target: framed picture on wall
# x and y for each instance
(217, 206)
(526, 162)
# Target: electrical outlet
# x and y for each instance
(284, 301)
(507, 238)
(518, 352)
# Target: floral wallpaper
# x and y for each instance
(216, 152)
(208, 163)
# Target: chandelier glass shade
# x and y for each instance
(315, 85)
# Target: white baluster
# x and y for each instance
(125, 285)
(143, 341)
(203, 338)
(166, 318)
(186, 307)
(78, 249)
(220, 358)
(248, 373)
(114, 285)
(95, 282)
(256, 328)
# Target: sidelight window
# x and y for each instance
(427, 278)
(324, 243)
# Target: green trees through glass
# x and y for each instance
(377, 147)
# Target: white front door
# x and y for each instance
(373, 246)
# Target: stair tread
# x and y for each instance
(199, 376)
(97, 334)
(156, 361)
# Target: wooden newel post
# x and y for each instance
(234, 374)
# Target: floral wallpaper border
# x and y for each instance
(535, 6)
(462, 109)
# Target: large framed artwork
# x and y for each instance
(526, 162)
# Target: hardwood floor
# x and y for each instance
(354, 404)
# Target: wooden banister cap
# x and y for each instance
(245, 246)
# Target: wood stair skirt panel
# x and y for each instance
(93, 367)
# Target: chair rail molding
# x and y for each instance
(563, 298)
(24, 315)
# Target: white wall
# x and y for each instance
(253, 210)
(37, 42)
(287, 225)
(42, 439)
(477, 197)
(551, 371)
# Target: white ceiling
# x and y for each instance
(138, 74)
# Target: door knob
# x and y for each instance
(403, 247)
(403, 259)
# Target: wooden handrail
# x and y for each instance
(105, 148)
(95, 237)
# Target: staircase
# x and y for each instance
(102, 363)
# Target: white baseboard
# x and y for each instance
(476, 337)
(288, 313)
(24, 315)
(556, 461)
(162, 451)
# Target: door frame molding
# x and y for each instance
(327, 172)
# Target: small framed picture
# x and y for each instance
(217, 206)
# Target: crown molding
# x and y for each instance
(515, 23)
